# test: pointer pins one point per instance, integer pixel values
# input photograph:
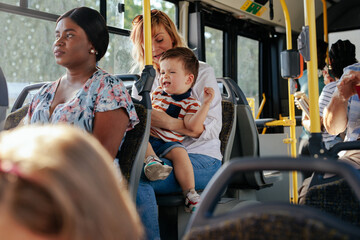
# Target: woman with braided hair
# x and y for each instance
(341, 54)
(339, 97)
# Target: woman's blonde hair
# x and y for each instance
(158, 18)
(60, 181)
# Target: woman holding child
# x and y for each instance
(203, 148)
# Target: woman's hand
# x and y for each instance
(161, 119)
(327, 78)
(346, 87)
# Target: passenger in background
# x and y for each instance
(203, 149)
(303, 81)
(342, 114)
(341, 54)
(343, 111)
(57, 182)
(86, 96)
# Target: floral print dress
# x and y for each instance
(102, 92)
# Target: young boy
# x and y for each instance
(179, 69)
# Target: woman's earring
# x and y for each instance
(92, 51)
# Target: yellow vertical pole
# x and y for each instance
(309, 7)
(293, 178)
(147, 32)
(326, 36)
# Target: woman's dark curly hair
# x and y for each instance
(341, 54)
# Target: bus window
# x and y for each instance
(27, 57)
(134, 8)
(117, 58)
(214, 49)
(12, 2)
(59, 7)
(248, 67)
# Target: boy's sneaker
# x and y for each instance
(191, 201)
(155, 169)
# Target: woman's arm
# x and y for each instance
(335, 115)
(306, 122)
(109, 128)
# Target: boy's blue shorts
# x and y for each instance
(161, 148)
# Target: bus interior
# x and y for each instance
(243, 41)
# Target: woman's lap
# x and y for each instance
(204, 168)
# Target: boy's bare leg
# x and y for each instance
(183, 169)
(184, 174)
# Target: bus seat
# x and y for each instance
(128, 80)
(19, 102)
(228, 128)
(325, 193)
(14, 118)
(4, 99)
(171, 205)
(132, 153)
(19, 110)
(333, 194)
(270, 220)
(229, 113)
(275, 221)
(335, 197)
(342, 146)
(246, 139)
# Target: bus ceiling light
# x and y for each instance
(280, 29)
(242, 17)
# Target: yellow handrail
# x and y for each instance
(326, 35)
(313, 81)
(293, 178)
(147, 32)
(261, 106)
